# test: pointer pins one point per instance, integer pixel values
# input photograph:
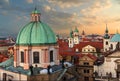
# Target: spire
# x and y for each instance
(35, 15)
(71, 33)
(117, 31)
(106, 31)
(76, 30)
(106, 36)
(83, 33)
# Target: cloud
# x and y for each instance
(58, 20)
(30, 1)
(47, 8)
(91, 14)
(4, 2)
(67, 3)
(118, 1)
(96, 6)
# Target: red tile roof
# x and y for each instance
(97, 45)
(64, 48)
(3, 57)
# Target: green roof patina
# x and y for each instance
(71, 33)
(7, 63)
(35, 11)
(36, 33)
(76, 30)
(115, 38)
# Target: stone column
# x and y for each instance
(26, 64)
(15, 58)
(45, 55)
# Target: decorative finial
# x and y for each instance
(117, 31)
(83, 32)
(35, 8)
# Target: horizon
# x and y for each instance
(61, 16)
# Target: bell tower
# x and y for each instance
(106, 40)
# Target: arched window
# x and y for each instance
(35, 57)
(22, 56)
(51, 56)
(106, 42)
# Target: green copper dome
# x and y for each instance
(115, 38)
(36, 33)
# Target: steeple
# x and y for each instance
(117, 31)
(35, 15)
(76, 30)
(106, 36)
(71, 33)
(83, 33)
(106, 31)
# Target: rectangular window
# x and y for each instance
(22, 56)
(36, 57)
(86, 78)
(51, 56)
(4, 77)
(86, 71)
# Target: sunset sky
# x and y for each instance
(61, 15)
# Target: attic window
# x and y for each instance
(86, 63)
(93, 50)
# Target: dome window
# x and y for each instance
(35, 57)
(51, 56)
(22, 56)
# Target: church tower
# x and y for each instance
(106, 40)
(70, 39)
(76, 36)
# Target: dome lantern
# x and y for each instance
(35, 15)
